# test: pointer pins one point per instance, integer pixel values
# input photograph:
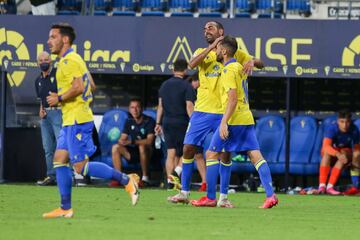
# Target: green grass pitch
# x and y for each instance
(102, 213)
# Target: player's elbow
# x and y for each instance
(258, 63)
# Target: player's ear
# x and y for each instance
(221, 31)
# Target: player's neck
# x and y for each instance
(63, 51)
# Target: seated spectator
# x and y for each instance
(8, 7)
(341, 147)
(136, 141)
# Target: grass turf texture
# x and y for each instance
(102, 213)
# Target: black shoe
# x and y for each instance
(48, 181)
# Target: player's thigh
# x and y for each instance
(61, 154)
(80, 142)
(200, 125)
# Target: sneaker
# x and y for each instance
(202, 187)
(352, 191)
(179, 198)
(320, 190)
(48, 181)
(175, 180)
(114, 184)
(132, 188)
(270, 202)
(204, 202)
(332, 191)
(225, 203)
(144, 184)
(59, 212)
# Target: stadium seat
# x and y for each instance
(110, 129)
(210, 8)
(150, 113)
(303, 132)
(313, 167)
(101, 7)
(270, 132)
(69, 7)
(357, 123)
(181, 8)
(124, 7)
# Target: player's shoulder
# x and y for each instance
(233, 66)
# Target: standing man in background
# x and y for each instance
(43, 7)
(176, 104)
(50, 117)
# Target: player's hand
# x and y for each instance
(224, 132)
(52, 99)
(158, 129)
(343, 158)
(248, 67)
(42, 113)
(216, 42)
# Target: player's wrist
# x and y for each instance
(60, 99)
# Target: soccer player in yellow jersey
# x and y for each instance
(75, 140)
(208, 109)
(236, 132)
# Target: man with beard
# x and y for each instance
(208, 110)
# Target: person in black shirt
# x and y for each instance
(136, 141)
(176, 104)
(51, 118)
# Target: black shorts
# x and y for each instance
(134, 153)
(174, 134)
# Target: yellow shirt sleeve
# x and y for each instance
(229, 80)
(242, 57)
(197, 52)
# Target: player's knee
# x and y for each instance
(212, 155)
(78, 167)
(189, 151)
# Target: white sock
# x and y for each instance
(178, 170)
(222, 196)
(329, 186)
(322, 185)
(186, 193)
(145, 178)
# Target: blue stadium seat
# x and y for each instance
(150, 113)
(329, 121)
(357, 123)
(313, 167)
(113, 120)
(303, 132)
(181, 8)
(210, 8)
(69, 7)
(124, 7)
(101, 7)
(270, 132)
(243, 9)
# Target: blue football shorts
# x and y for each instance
(241, 138)
(77, 140)
(200, 125)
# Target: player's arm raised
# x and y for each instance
(77, 88)
(197, 59)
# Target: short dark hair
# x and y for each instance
(345, 113)
(180, 65)
(230, 44)
(218, 24)
(194, 77)
(65, 30)
(136, 99)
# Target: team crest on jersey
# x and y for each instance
(216, 67)
(52, 79)
(142, 130)
(225, 70)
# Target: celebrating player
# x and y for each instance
(208, 111)
(236, 132)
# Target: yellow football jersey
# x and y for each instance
(208, 94)
(233, 78)
(76, 110)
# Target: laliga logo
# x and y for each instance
(181, 45)
(351, 52)
(13, 42)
